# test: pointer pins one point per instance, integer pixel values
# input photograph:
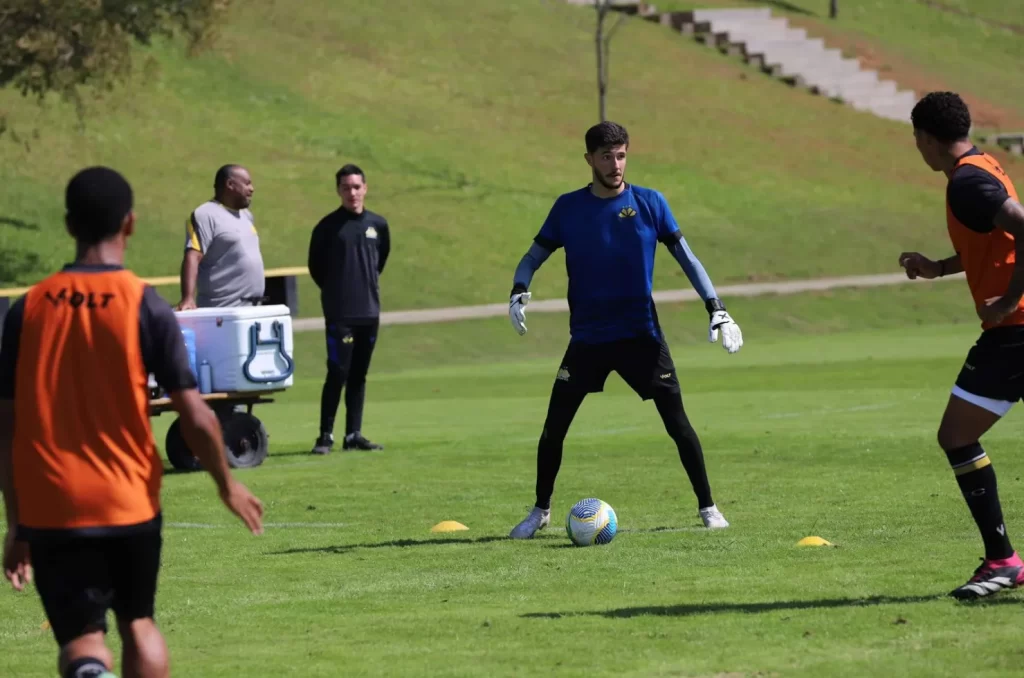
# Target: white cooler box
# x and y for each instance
(248, 348)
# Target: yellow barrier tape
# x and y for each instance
(173, 279)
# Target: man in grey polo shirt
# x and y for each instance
(223, 265)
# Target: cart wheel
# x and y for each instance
(245, 440)
(178, 453)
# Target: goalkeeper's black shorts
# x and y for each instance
(643, 362)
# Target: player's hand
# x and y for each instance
(17, 562)
(919, 266)
(995, 309)
(245, 505)
(186, 305)
(732, 337)
(517, 311)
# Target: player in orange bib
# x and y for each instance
(985, 221)
(79, 468)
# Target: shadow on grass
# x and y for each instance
(397, 543)
(748, 608)
(19, 224)
(550, 536)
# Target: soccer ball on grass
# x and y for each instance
(591, 521)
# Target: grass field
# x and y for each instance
(468, 117)
(822, 425)
(467, 137)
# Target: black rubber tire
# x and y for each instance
(177, 450)
(246, 442)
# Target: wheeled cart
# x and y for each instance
(240, 355)
(246, 442)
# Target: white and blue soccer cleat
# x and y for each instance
(713, 518)
(537, 520)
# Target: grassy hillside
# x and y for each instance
(971, 46)
(468, 118)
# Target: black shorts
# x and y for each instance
(80, 578)
(644, 363)
(994, 369)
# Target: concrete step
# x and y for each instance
(773, 24)
(738, 14)
(769, 24)
(890, 111)
(791, 52)
(746, 35)
(822, 78)
(869, 102)
(794, 62)
(892, 115)
(800, 63)
(748, 28)
(847, 90)
(787, 65)
(777, 49)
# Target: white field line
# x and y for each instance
(453, 313)
(837, 410)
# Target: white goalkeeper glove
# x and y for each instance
(732, 337)
(517, 311)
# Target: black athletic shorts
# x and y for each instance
(80, 578)
(994, 369)
(644, 363)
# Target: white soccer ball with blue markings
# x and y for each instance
(591, 521)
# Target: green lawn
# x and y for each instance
(467, 137)
(815, 428)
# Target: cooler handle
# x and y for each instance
(255, 342)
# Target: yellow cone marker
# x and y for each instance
(45, 626)
(448, 526)
(813, 541)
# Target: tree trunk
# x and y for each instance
(602, 72)
(833, 9)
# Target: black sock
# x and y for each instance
(330, 397)
(355, 397)
(549, 460)
(670, 407)
(565, 402)
(86, 667)
(977, 481)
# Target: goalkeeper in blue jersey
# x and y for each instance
(610, 230)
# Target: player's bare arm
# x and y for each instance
(189, 274)
(17, 566)
(1010, 218)
(918, 265)
(202, 432)
(520, 297)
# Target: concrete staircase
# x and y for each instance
(771, 45)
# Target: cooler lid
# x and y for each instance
(245, 312)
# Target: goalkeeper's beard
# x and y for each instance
(604, 181)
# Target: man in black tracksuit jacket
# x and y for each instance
(347, 253)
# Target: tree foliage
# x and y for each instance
(60, 45)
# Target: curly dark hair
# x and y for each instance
(97, 200)
(944, 115)
(606, 134)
